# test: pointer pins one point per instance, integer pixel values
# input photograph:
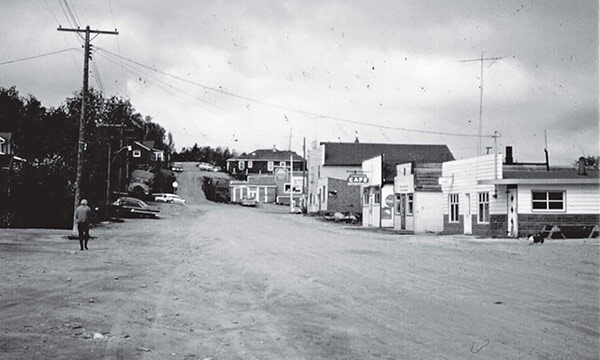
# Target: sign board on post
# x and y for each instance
(358, 179)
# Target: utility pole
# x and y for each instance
(304, 199)
(291, 183)
(480, 128)
(82, 119)
(496, 136)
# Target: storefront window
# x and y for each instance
(409, 204)
(453, 207)
(548, 200)
(483, 210)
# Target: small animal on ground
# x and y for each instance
(536, 238)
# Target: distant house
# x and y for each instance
(329, 160)
(144, 153)
(488, 197)
(264, 162)
(269, 188)
(259, 187)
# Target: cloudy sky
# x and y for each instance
(247, 74)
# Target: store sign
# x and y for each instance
(404, 184)
(358, 179)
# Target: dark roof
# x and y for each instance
(540, 172)
(353, 154)
(149, 144)
(268, 155)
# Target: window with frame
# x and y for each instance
(366, 197)
(136, 153)
(250, 164)
(324, 194)
(409, 204)
(548, 200)
(483, 208)
(453, 207)
(241, 164)
(377, 198)
(270, 166)
(3, 150)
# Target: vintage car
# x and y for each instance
(126, 206)
(249, 201)
(168, 198)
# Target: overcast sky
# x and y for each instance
(390, 63)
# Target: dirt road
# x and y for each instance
(225, 282)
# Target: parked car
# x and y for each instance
(177, 167)
(206, 166)
(169, 198)
(249, 201)
(131, 207)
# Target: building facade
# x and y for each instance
(487, 197)
(418, 198)
(264, 162)
(329, 160)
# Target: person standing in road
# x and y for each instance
(82, 218)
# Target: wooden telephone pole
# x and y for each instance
(481, 60)
(82, 119)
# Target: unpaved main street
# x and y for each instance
(225, 282)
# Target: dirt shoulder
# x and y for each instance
(225, 282)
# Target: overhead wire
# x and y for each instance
(145, 77)
(112, 15)
(300, 111)
(74, 19)
(141, 73)
(64, 36)
(37, 56)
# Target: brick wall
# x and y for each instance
(533, 223)
(497, 227)
(453, 228)
(346, 198)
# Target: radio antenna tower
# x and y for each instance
(480, 129)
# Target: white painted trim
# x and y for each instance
(574, 181)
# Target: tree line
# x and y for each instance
(217, 156)
(41, 193)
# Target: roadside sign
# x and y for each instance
(358, 179)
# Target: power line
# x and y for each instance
(72, 8)
(37, 56)
(145, 77)
(51, 12)
(66, 41)
(300, 111)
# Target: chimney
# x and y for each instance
(509, 158)
(581, 167)
(274, 148)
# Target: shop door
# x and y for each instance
(371, 202)
(468, 219)
(402, 211)
(513, 217)
(398, 212)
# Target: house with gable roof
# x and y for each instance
(264, 162)
(144, 153)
